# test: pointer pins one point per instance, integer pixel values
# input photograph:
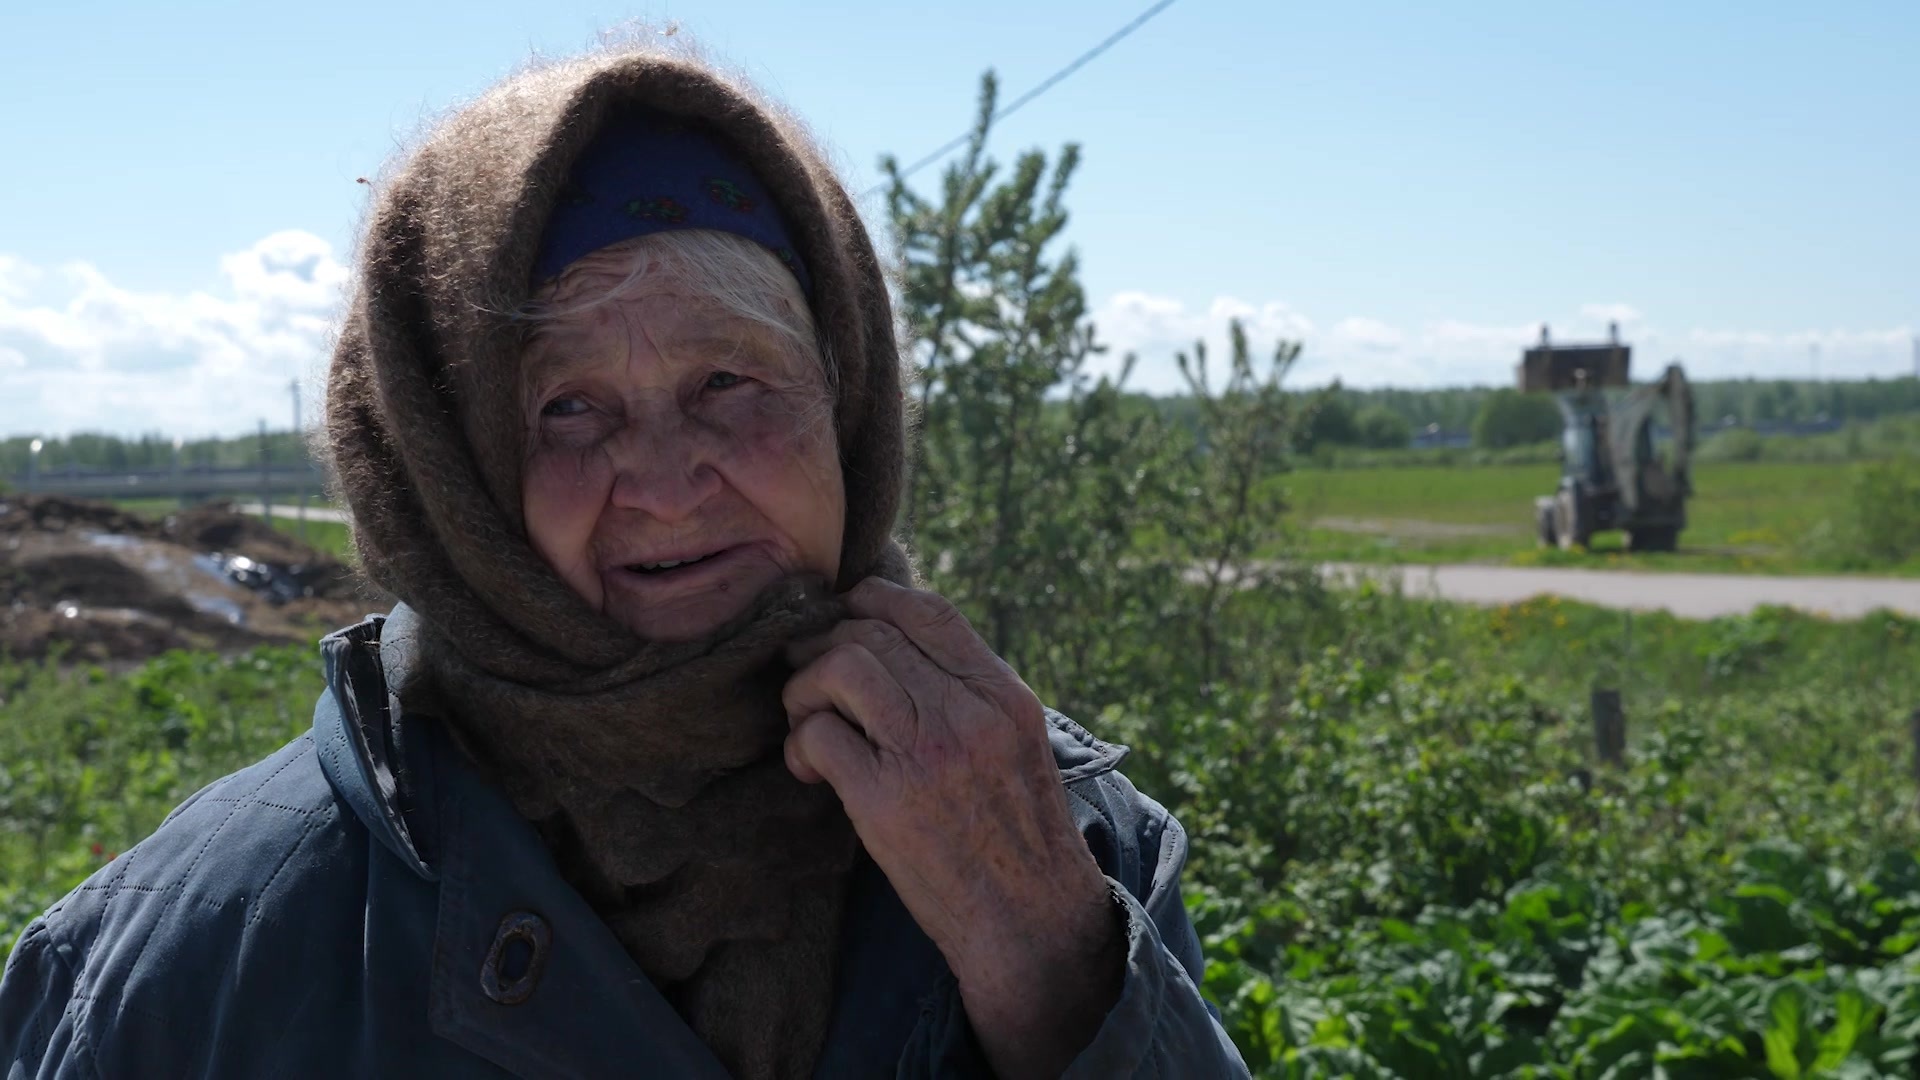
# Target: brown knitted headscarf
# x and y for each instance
(654, 772)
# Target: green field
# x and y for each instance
(331, 537)
(1406, 861)
(1759, 517)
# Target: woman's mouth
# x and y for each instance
(684, 598)
(671, 564)
(657, 578)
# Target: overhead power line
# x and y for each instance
(1045, 85)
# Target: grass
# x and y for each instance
(331, 537)
(1405, 862)
(1414, 865)
(90, 762)
(1754, 517)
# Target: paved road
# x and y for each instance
(291, 511)
(1692, 596)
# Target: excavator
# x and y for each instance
(1616, 469)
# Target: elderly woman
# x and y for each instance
(662, 766)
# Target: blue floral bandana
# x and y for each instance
(649, 172)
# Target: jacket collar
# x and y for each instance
(590, 1010)
(571, 1002)
(385, 770)
(358, 743)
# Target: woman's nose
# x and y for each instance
(661, 468)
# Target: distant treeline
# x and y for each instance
(1885, 439)
(1747, 401)
(1497, 419)
(1337, 416)
(92, 453)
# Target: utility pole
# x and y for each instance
(266, 476)
(297, 429)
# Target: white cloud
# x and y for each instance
(1620, 313)
(1358, 350)
(15, 276)
(1158, 327)
(290, 268)
(1363, 351)
(1368, 335)
(78, 352)
(1826, 354)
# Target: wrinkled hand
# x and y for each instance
(939, 753)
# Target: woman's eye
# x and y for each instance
(721, 380)
(563, 406)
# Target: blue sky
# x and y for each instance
(1408, 188)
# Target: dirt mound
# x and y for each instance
(21, 514)
(80, 578)
(215, 527)
(305, 571)
(95, 583)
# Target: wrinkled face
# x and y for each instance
(681, 457)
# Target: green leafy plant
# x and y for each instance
(90, 762)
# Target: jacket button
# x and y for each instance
(519, 954)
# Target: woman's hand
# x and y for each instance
(939, 753)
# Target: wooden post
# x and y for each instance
(1609, 727)
(266, 477)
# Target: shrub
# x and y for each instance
(1733, 444)
(1511, 418)
(90, 763)
(1382, 429)
(1885, 506)
(1880, 525)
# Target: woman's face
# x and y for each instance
(680, 457)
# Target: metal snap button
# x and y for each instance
(519, 954)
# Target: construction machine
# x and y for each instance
(1618, 468)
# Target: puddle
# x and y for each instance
(69, 609)
(209, 601)
(218, 606)
(275, 584)
(111, 541)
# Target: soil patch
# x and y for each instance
(90, 582)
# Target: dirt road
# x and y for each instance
(1692, 596)
(289, 512)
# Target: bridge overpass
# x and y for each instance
(188, 484)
